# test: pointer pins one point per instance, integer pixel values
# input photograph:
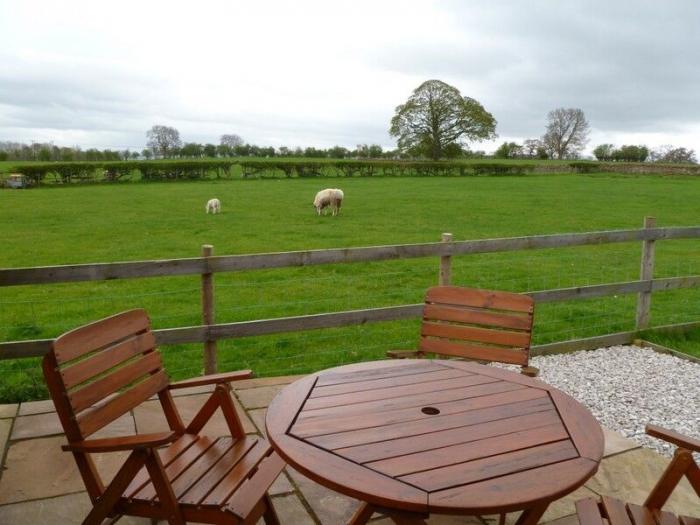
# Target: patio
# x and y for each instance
(40, 484)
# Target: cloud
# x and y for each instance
(323, 73)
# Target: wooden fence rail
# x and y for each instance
(204, 333)
(231, 263)
(210, 332)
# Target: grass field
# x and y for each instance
(100, 223)
(687, 342)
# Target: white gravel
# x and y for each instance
(626, 387)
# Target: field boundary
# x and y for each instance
(207, 266)
(231, 263)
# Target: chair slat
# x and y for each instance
(114, 381)
(96, 335)
(480, 298)
(238, 474)
(441, 346)
(111, 356)
(640, 515)
(243, 501)
(616, 511)
(588, 512)
(477, 317)
(93, 419)
(481, 335)
(666, 518)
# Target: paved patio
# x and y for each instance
(40, 484)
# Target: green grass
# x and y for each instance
(100, 223)
(687, 342)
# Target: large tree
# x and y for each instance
(567, 132)
(231, 140)
(437, 120)
(163, 140)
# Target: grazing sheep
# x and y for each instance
(213, 205)
(332, 197)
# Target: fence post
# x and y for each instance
(445, 264)
(208, 312)
(646, 273)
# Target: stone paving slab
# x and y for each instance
(36, 407)
(8, 410)
(282, 485)
(38, 468)
(150, 418)
(258, 417)
(258, 397)
(264, 381)
(330, 507)
(40, 425)
(5, 425)
(63, 510)
(290, 510)
(616, 443)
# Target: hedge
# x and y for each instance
(380, 168)
(113, 171)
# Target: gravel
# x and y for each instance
(626, 387)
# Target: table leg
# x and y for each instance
(532, 515)
(362, 515)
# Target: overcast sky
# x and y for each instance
(99, 74)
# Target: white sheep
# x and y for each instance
(213, 205)
(332, 197)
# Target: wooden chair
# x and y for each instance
(476, 324)
(610, 511)
(101, 371)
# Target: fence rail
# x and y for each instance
(232, 263)
(207, 266)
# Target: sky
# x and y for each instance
(323, 73)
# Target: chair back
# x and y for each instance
(477, 324)
(100, 371)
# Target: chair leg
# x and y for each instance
(530, 371)
(164, 489)
(103, 507)
(270, 514)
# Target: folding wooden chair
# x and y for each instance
(611, 511)
(484, 325)
(101, 371)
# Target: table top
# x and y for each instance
(436, 436)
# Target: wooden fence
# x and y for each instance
(207, 265)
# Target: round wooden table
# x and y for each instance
(414, 437)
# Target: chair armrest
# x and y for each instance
(123, 443)
(673, 437)
(213, 379)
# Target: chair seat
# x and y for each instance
(215, 473)
(617, 512)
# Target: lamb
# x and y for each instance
(332, 197)
(213, 205)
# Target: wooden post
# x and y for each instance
(646, 273)
(445, 264)
(208, 312)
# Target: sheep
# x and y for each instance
(332, 197)
(213, 205)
